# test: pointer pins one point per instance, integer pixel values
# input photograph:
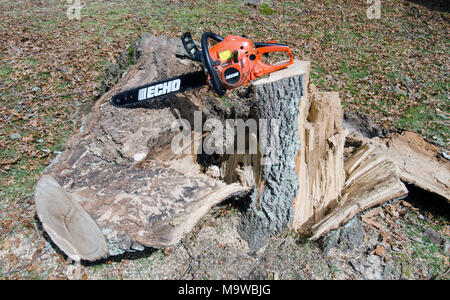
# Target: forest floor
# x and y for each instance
(395, 69)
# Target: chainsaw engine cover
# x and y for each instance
(233, 60)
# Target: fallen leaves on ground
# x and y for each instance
(380, 251)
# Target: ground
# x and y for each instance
(53, 68)
(395, 241)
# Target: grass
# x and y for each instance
(395, 68)
(415, 116)
(267, 10)
(428, 252)
(422, 252)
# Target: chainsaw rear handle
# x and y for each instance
(190, 47)
(207, 62)
(261, 68)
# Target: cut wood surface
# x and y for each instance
(67, 223)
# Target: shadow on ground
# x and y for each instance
(437, 5)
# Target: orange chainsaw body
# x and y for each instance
(237, 61)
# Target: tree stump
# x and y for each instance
(304, 182)
(271, 209)
(123, 184)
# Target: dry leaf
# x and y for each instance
(371, 213)
(392, 211)
(220, 245)
(380, 251)
(167, 251)
(5, 244)
(409, 205)
(372, 222)
(386, 237)
(447, 230)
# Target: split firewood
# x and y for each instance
(372, 180)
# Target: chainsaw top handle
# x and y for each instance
(266, 48)
(207, 61)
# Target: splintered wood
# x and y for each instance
(331, 192)
(371, 180)
(374, 175)
(420, 163)
(320, 161)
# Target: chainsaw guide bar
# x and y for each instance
(147, 93)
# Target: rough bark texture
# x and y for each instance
(121, 169)
(271, 207)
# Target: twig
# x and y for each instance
(192, 259)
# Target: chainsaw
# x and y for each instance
(232, 62)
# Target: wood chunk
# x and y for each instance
(67, 223)
(320, 161)
(371, 182)
(360, 155)
(420, 163)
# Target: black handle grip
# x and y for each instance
(207, 62)
(191, 48)
(259, 45)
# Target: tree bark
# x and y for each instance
(271, 209)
